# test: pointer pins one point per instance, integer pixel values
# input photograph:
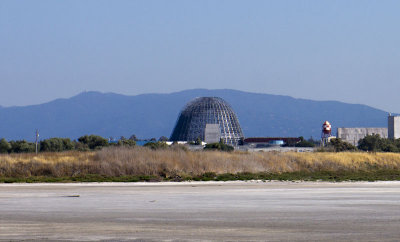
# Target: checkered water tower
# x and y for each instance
(326, 133)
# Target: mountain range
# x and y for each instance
(154, 115)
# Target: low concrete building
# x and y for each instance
(393, 127)
(353, 135)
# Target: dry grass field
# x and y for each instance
(178, 163)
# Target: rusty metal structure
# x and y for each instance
(200, 111)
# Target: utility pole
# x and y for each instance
(36, 141)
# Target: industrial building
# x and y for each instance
(393, 127)
(353, 135)
(210, 119)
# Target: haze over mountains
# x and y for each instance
(154, 115)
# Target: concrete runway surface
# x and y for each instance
(201, 211)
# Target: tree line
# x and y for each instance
(83, 143)
(370, 143)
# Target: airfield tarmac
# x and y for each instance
(230, 211)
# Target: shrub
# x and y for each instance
(93, 141)
(340, 145)
(22, 146)
(304, 143)
(370, 143)
(375, 143)
(80, 146)
(126, 142)
(5, 147)
(219, 146)
(56, 144)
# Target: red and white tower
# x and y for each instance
(326, 133)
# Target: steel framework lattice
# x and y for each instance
(197, 113)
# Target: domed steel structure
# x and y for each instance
(199, 112)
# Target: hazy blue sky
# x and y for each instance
(323, 50)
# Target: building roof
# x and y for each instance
(268, 139)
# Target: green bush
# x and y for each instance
(304, 143)
(340, 145)
(5, 147)
(219, 146)
(93, 141)
(22, 146)
(375, 143)
(370, 143)
(80, 146)
(56, 144)
(126, 142)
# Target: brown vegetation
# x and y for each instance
(167, 163)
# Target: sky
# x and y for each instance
(322, 50)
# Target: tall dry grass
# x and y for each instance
(55, 164)
(120, 161)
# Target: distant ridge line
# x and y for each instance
(154, 115)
